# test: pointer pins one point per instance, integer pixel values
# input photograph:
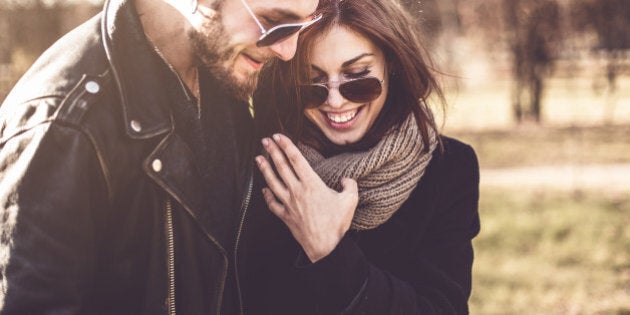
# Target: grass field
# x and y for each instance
(546, 252)
(542, 250)
(552, 251)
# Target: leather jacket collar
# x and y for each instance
(146, 83)
(149, 88)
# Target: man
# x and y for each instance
(124, 164)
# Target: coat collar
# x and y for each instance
(147, 84)
(150, 90)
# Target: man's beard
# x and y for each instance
(212, 48)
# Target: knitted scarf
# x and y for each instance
(386, 173)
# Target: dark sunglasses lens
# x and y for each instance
(361, 90)
(278, 34)
(313, 95)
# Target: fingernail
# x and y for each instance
(265, 142)
(276, 137)
(258, 160)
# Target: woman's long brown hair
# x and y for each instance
(411, 76)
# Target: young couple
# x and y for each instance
(127, 182)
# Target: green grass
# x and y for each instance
(552, 253)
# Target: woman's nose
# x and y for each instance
(335, 99)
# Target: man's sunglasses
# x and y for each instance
(278, 32)
(360, 90)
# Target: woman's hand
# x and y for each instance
(317, 215)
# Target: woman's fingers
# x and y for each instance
(350, 188)
(350, 195)
(276, 207)
(277, 186)
(284, 168)
(299, 163)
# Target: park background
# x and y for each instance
(541, 89)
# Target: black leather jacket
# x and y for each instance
(101, 206)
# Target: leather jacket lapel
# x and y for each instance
(149, 89)
(172, 166)
(141, 75)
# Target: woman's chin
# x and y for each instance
(343, 139)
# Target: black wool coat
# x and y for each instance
(418, 262)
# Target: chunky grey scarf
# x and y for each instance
(386, 173)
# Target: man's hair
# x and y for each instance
(411, 75)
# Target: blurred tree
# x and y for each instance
(28, 27)
(5, 54)
(482, 18)
(5, 44)
(610, 21)
(533, 34)
(11, 4)
(426, 15)
(35, 28)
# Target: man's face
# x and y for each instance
(225, 38)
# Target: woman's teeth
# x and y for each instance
(342, 117)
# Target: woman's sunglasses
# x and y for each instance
(360, 90)
(278, 32)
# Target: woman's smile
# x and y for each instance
(342, 120)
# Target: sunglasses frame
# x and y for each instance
(265, 33)
(337, 84)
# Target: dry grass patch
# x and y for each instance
(533, 146)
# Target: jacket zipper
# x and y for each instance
(170, 251)
(244, 207)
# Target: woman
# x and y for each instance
(378, 209)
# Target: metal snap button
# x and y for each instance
(156, 165)
(92, 87)
(136, 126)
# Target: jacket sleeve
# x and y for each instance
(50, 185)
(434, 277)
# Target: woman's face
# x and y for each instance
(338, 56)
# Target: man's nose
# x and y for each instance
(285, 49)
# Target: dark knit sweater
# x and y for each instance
(228, 149)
